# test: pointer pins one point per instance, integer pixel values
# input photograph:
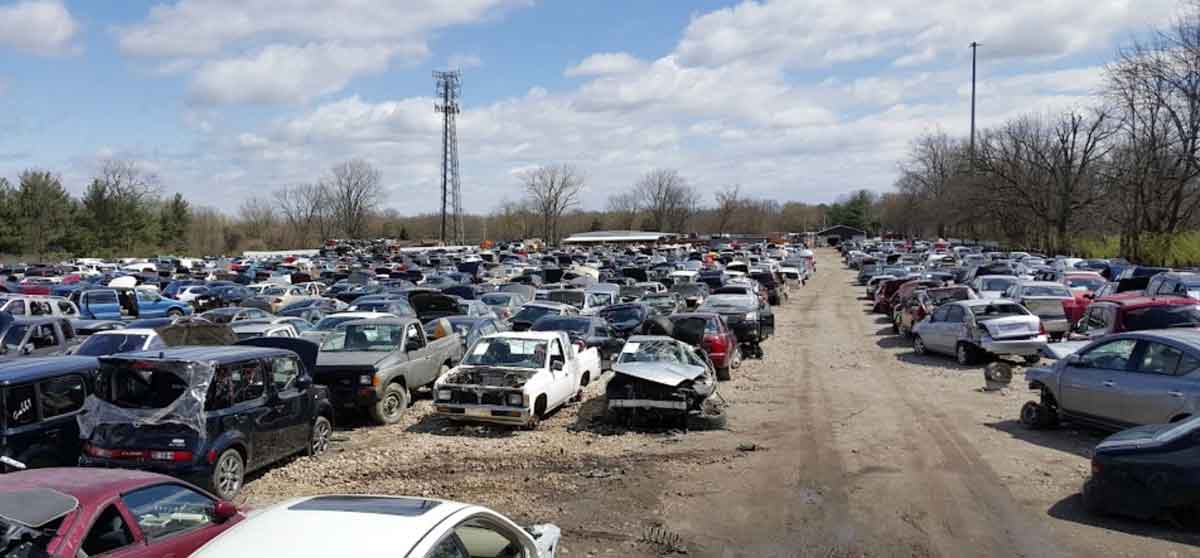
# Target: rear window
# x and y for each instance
(993, 311)
(139, 385)
(561, 324)
(495, 299)
(1161, 317)
(1047, 290)
(574, 298)
(101, 345)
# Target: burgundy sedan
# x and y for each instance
(718, 340)
(114, 512)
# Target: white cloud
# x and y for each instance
(605, 63)
(38, 26)
(462, 61)
(285, 74)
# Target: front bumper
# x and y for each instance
(1023, 347)
(680, 406)
(499, 414)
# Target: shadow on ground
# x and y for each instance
(1071, 509)
(1067, 438)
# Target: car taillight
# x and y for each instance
(1041, 328)
(174, 456)
(715, 343)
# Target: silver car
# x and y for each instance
(1119, 381)
(972, 329)
(1046, 300)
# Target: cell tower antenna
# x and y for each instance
(449, 88)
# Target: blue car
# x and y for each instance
(115, 304)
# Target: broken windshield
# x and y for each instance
(515, 353)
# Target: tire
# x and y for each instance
(318, 440)
(737, 358)
(1091, 502)
(1036, 416)
(723, 374)
(895, 326)
(539, 408)
(919, 346)
(711, 417)
(174, 313)
(228, 474)
(391, 407)
(964, 354)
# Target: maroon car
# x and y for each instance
(717, 340)
(115, 512)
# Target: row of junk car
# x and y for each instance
(167, 381)
(1122, 342)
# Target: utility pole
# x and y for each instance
(974, 48)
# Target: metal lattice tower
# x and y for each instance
(449, 88)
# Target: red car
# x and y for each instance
(1083, 286)
(1120, 313)
(719, 341)
(115, 512)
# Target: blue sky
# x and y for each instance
(795, 100)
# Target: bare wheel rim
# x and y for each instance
(737, 358)
(229, 473)
(962, 354)
(918, 346)
(321, 433)
(391, 404)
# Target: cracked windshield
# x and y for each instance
(542, 278)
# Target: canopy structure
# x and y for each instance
(602, 237)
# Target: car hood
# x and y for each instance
(665, 373)
(349, 358)
(1142, 437)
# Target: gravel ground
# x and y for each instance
(840, 443)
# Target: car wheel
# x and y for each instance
(175, 313)
(1036, 416)
(391, 406)
(723, 374)
(228, 474)
(964, 354)
(737, 358)
(919, 346)
(539, 409)
(322, 431)
(587, 379)
(1091, 502)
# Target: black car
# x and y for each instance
(626, 319)
(39, 400)
(225, 295)
(1147, 471)
(750, 319)
(207, 414)
(775, 292)
(533, 311)
(591, 331)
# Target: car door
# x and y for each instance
(284, 425)
(246, 382)
(148, 307)
(1156, 391)
(954, 328)
(1089, 382)
(932, 333)
(421, 366)
(565, 379)
(172, 520)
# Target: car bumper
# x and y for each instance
(647, 404)
(497, 414)
(191, 471)
(720, 360)
(1022, 347)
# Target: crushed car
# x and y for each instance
(660, 379)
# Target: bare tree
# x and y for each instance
(354, 188)
(729, 201)
(667, 199)
(305, 207)
(552, 190)
(624, 209)
(258, 218)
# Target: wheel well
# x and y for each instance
(238, 447)
(399, 380)
(326, 412)
(1180, 417)
(539, 405)
(586, 378)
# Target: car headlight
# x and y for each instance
(365, 379)
(443, 395)
(516, 399)
(751, 316)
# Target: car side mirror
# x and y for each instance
(412, 345)
(557, 365)
(303, 382)
(224, 511)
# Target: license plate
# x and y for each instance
(474, 412)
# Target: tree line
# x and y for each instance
(1118, 178)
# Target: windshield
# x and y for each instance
(727, 303)
(502, 351)
(1085, 283)
(495, 299)
(532, 313)
(1046, 290)
(101, 345)
(939, 297)
(621, 315)
(365, 337)
(653, 351)
(569, 325)
(1161, 317)
(997, 284)
(574, 298)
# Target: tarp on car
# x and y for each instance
(188, 332)
(191, 378)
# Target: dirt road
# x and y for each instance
(840, 443)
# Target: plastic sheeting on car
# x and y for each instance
(186, 410)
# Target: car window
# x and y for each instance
(62, 395)
(163, 510)
(939, 315)
(413, 335)
(108, 533)
(481, 539)
(19, 406)
(43, 336)
(66, 308)
(1159, 358)
(1113, 355)
(284, 371)
(955, 314)
(17, 308)
(449, 547)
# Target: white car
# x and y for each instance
(360, 525)
(516, 378)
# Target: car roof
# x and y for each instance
(549, 304)
(127, 331)
(983, 301)
(1183, 335)
(649, 338)
(39, 368)
(303, 526)
(1041, 284)
(218, 354)
(537, 335)
(92, 485)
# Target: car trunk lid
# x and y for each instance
(1010, 327)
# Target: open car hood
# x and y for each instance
(665, 373)
(430, 305)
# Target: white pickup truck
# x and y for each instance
(516, 378)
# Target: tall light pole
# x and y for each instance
(974, 48)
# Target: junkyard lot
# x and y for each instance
(840, 443)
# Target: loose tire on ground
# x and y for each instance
(1037, 416)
